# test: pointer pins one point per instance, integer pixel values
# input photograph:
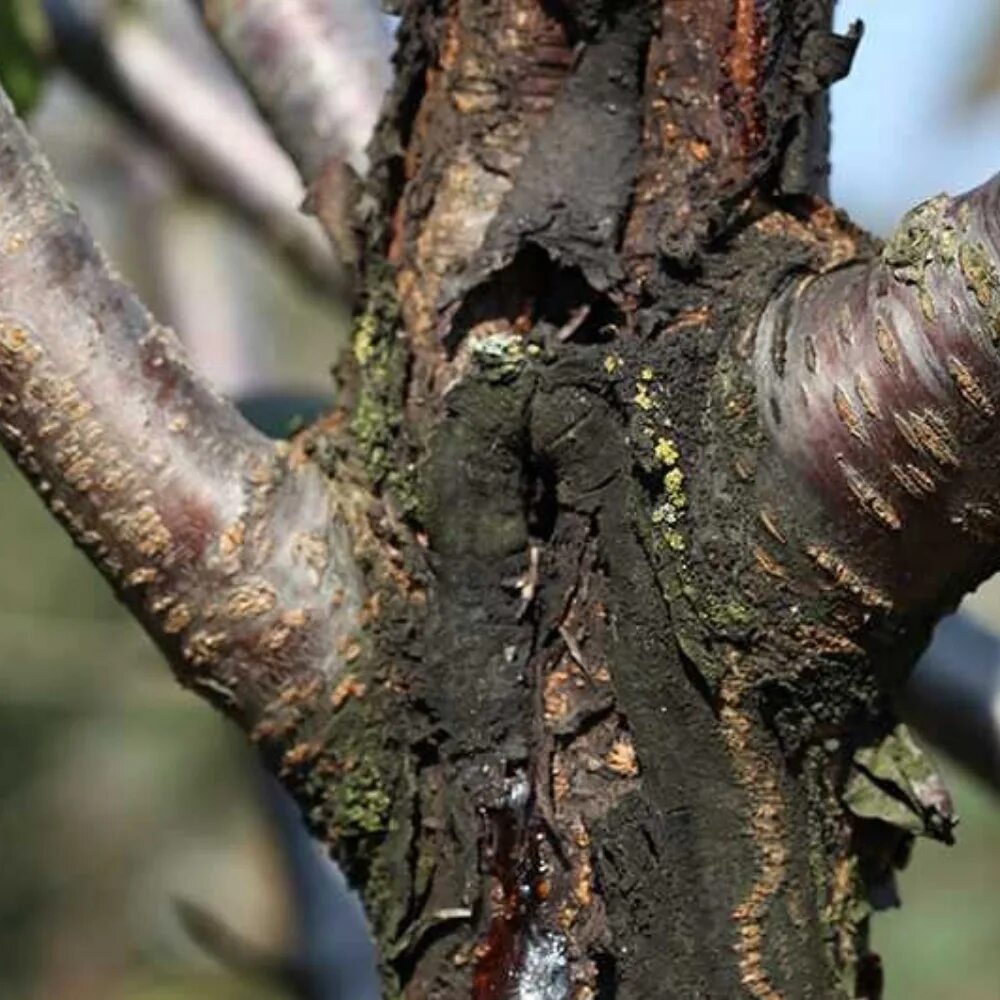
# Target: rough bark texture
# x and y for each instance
(644, 442)
(646, 754)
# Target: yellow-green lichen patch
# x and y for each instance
(364, 336)
(659, 455)
(922, 235)
(925, 236)
(642, 398)
(646, 397)
(361, 800)
(377, 418)
(500, 356)
(377, 414)
(673, 502)
(723, 615)
(673, 485)
(666, 451)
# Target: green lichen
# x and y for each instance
(930, 234)
(725, 615)
(674, 540)
(501, 356)
(673, 502)
(666, 451)
(361, 802)
(673, 485)
(923, 235)
(926, 235)
(365, 332)
(361, 796)
(376, 422)
(642, 398)
(647, 392)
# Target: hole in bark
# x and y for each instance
(580, 19)
(539, 299)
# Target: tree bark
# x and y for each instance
(641, 443)
(647, 751)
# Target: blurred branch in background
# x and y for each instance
(985, 83)
(318, 70)
(207, 129)
(953, 695)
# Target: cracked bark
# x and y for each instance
(649, 454)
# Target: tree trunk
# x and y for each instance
(658, 472)
(618, 715)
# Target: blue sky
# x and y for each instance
(900, 131)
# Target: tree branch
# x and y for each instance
(226, 546)
(318, 70)
(879, 385)
(217, 146)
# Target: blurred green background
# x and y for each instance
(119, 793)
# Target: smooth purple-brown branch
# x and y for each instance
(879, 386)
(228, 550)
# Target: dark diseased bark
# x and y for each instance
(635, 730)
